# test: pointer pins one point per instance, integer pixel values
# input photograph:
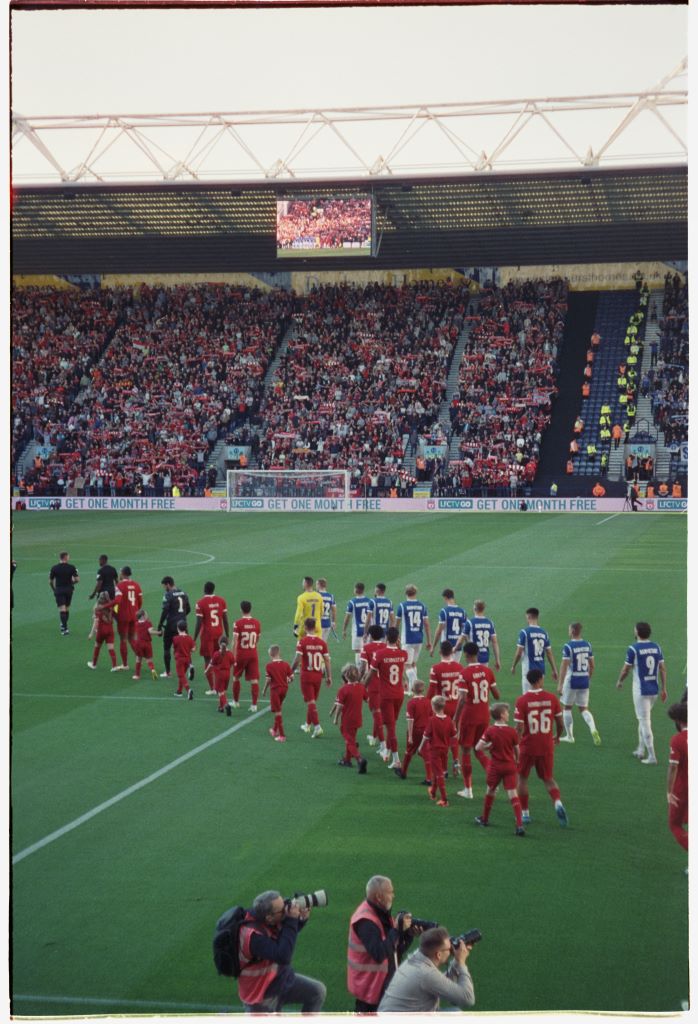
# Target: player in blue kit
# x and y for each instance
(576, 670)
(414, 626)
(357, 612)
(380, 609)
(480, 630)
(452, 623)
(328, 616)
(533, 647)
(646, 660)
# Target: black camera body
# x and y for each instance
(417, 922)
(468, 938)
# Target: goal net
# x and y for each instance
(288, 483)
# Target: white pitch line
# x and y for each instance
(131, 789)
(148, 1003)
(607, 518)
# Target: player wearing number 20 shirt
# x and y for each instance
(246, 631)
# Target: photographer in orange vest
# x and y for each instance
(377, 942)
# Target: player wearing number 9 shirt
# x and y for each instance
(646, 660)
(534, 716)
(246, 631)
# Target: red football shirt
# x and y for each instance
(478, 680)
(419, 710)
(678, 755)
(247, 631)
(537, 710)
(130, 600)
(221, 665)
(183, 646)
(210, 609)
(440, 732)
(444, 681)
(504, 739)
(143, 635)
(351, 697)
(390, 666)
(368, 650)
(312, 650)
(279, 674)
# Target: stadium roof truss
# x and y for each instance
(534, 133)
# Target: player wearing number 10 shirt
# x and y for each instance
(535, 714)
(414, 626)
(313, 656)
(211, 621)
(246, 633)
(533, 647)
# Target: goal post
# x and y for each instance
(287, 483)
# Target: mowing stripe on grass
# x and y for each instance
(131, 789)
(110, 696)
(150, 1004)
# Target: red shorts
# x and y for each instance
(144, 650)
(208, 644)
(470, 732)
(678, 816)
(310, 689)
(438, 759)
(249, 664)
(497, 775)
(105, 634)
(374, 696)
(220, 683)
(277, 695)
(450, 708)
(543, 763)
(126, 629)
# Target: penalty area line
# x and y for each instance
(53, 836)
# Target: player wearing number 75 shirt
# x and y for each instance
(246, 632)
(533, 647)
(211, 623)
(535, 714)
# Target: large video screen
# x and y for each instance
(324, 226)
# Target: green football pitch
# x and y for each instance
(137, 819)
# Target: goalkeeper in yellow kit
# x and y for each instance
(308, 606)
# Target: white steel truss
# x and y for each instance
(561, 132)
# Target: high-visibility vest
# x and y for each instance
(617, 430)
(591, 449)
(605, 434)
(255, 975)
(365, 978)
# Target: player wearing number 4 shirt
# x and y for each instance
(453, 624)
(211, 623)
(357, 612)
(535, 714)
(414, 626)
(533, 647)
(129, 598)
(576, 670)
(246, 633)
(646, 660)
(472, 713)
(313, 656)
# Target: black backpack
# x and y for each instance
(226, 942)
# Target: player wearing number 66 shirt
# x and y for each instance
(472, 714)
(211, 622)
(535, 714)
(313, 656)
(246, 632)
(533, 647)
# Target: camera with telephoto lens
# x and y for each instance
(304, 901)
(467, 938)
(417, 922)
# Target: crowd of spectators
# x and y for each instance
(323, 223)
(178, 366)
(507, 384)
(668, 379)
(366, 370)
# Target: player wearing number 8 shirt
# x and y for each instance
(472, 714)
(211, 622)
(389, 665)
(534, 716)
(313, 656)
(175, 607)
(533, 647)
(246, 633)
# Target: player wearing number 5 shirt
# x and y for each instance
(576, 670)
(535, 714)
(211, 622)
(646, 660)
(533, 647)
(246, 633)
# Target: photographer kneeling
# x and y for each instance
(418, 984)
(267, 982)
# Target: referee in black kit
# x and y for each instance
(62, 580)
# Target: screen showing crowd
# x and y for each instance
(325, 226)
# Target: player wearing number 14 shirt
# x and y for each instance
(246, 633)
(536, 712)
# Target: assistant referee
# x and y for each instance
(62, 580)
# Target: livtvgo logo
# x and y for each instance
(39, 502)
(455, 503)
(247, 503)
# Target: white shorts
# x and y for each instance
(357, 643)
(643, 704)
(326, 633)
(571, 696)
(413, 652)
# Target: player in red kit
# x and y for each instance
(417, 713)
(677, 775)
(535, 714)
(439, 734)
(218, 674)
(143, 644)
(313, 656)
(389, 665)
(348, 707)
(445, 679)
(103, 629)
(211, 623)
(183, 646)
(278, 676)
(473, 713)
(129, 599)
(375, 643)
(502, 741)
(246, 632)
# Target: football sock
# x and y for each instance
(516, 804)
(151, 664)
(358, 660)
(255, 692)
(523, 800)
(95, 654)
(137, 669)
(554, 794)
(112, 655)
(279, 725)
(679, 835)
(222, 699)
(589, 719)
(378, 726)
(567, 721)
(466, 770)
(64, 620)
(236, 690)
(411, 674)
(647, 737)
(487, 807)
(123, 651)
(406, 762)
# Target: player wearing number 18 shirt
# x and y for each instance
(576, 670)
(472, 713)
(533, 647)
(313, 657)
(646, 660)
(535, 714)
(246, 633)
(414, 626)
